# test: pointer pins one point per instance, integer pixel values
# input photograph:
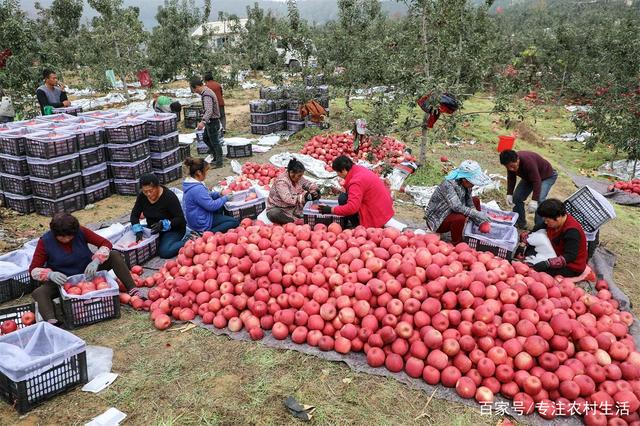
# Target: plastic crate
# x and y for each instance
(185, 150)
(589, 208)
(92, 156)
(126, 131)
(143, 252)
(239, 151)
(87, 135)
(263, 129)
(56, 188)
(97, 192)
(21, 203)
(194, 112)
(69, 203)
(281, 115)
(133, 152)
(12, 142)
(58, 376)
(294, 115)
(262, 106)
(98, 114)
(14, 165)
(202, 149)
(54, 168)
(191, 123)
(169, 174)
(164, 143)
(94, 175)
(49, 145)
(295, 126)
(15, 313)
(126, 187)
(264, 117)
(67, 111)
(159, 124)
(502, 240)
(240, 209)
(312, 216)
(494, 215)
(164, 160)
(25, 123)
(130, 171)
(79, 313)
(16, 184)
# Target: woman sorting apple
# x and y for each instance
(63, 252)
(289, 193)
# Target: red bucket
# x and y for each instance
(506, 142)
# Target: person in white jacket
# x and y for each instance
(7, 113)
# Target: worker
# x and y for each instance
(567, 238)
(51, 94)
(289, 193)
(210, 120)
(314, 110)
(217, 89)
(203, 208)
(7, 113)
(536, 175)
(163, 212)
(162, 103)
(452, 203)
(366, 195)
(63, 252)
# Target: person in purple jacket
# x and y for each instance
(203, 208)
(537, 176)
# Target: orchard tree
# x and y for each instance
(58, 29)
(255, 47)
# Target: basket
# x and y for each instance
(59, 117)
(501, 241)
(126, 131)
(191, 123)
(193, 112)
(94, 175)
(50, 145)
(56, 188)
(185, 150)
(69, 203)
(87, 309)
(15, 313)
(20, 203)
(281, 115)
(14, 165)
(59, 374)
(164, 160)
(169, 174)
(12, 142)
(313, 217)
(159, 124)
(264, 118)
(239, 151)
(241, 209)
(130, 171)
(494, 215)
(126, 187)
(589, 208)
(55, 168)
(293, 115)
(144, 251)
(262, 106)
(87, 135)
(295, 126)
(97, 192)
(266, 129)
(202, 148)
(16, 184)
(134, 152)
(506, 142)
(92, 156)
(164, 143)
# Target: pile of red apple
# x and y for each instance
(327, 147)
(9, 326)
(84, 287)
(632, 187)
(449, 315)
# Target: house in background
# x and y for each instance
(219, 32)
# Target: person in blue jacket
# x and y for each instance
(203, 208)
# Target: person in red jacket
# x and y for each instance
(567, 238)
(64, 251)
(367, 196)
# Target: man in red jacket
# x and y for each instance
(367, 196)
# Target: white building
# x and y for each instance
(219, 32)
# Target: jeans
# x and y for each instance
(522, 192)
(212, 140)
(223, 118)
(280, 216)
(222, 223)
(170, 243)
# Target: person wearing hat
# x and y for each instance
(452, 204)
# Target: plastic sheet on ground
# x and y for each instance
(313, 166)
(238, 141)
(99, 360)
(621, 169)
(260, 149)
(269, 140)
(577, 108)
(602, 187)
(422, 194)
(249, 85)
(570, 137)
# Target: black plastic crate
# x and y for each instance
(264, 118)
(130, 171)
(12, 142)
(69, 203)
(164, 143)
(169, 175)
(14, 165)
(15, 287)
(71, 110)
(57, 188)
(251, 212)
(142, 254)
(126, 187)
(82, 312)
(94, 175)
(480, 245)
(97, 192)
(502, 240)
(587, 209)
(54, 168)
(193, 112)
(15, 313)
(50, 145)
(27, 394)
(87, 135)
(160, 124)
(92, 156)
(262, 106)
(126, 132)
(327, 219)
(134, 152)
(191, 123)
(263, 129)
(295, 126)
(185, 151)
(21, 203)
(202, 149)
(16, 184)
(239, 151)
(164, 160)
(294, 115)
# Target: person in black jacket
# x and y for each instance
(163, 212)
(51, 93)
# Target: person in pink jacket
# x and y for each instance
(367, 196)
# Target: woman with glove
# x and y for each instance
(289, 193)
(452, 204)
(63, 252)
(163, 212)
(203, 208)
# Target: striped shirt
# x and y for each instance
(451, 197)
(210, 105)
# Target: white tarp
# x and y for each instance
(313, 166)
(621, 169)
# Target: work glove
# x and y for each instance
(230, 196)
(533, 206)
(541, 266)
(510, 201)
(156, 227)
(315, 195)
(308, 196)
(91, 269)
(166, 225)
(324, 209)
(139, 236)
(57, 277)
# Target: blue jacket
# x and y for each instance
(200, 205)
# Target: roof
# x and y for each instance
(217, 27)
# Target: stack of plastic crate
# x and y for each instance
(163, 142)
(128, 153)
(264, 117)
(14, 171)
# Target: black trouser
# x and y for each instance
(353, 220)
(223, 118)
(279, 216)
(48, 291)
(212, 140)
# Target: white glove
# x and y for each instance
(510, 200)
(533, 206)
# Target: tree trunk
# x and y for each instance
(425, 40)
(121, 75)
(564, 76)
(347, 98)
(424, 141)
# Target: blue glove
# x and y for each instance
(166, 224)
(91, 269)
(137, 228)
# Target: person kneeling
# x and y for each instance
(203, 209)
(64, 251)
(289, 193)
